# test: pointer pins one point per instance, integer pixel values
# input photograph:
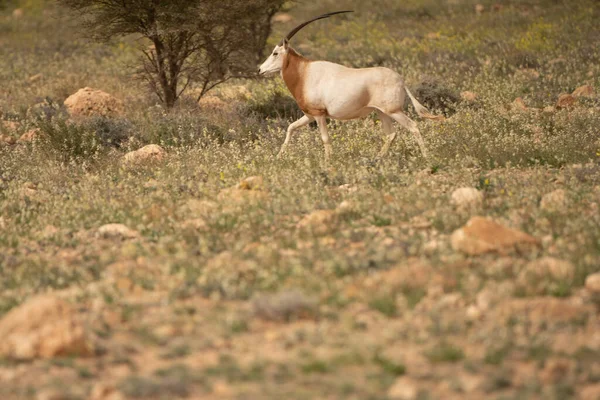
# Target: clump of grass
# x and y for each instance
(68, 142)
(436, 96)
(315, 367)
(385, 304)
(389, 366)
(445, 352)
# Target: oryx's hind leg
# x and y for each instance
(388, 130)
(305, 120)
(322, 122)
(411, 125)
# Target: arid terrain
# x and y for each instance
(154, 254)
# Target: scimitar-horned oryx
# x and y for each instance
(326, 90)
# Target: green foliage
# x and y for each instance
(67, 141)
(436, 96)
(385, 304)
(185, 41)
(445, 352)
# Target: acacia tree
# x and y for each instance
(204, 42)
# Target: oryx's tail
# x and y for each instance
(422, 111)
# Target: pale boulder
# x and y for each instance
(319, 222)
(592, 283)
(282, 18)
(468, 96)
(565, 100)
(149, 153)
(252, 183)
(519, 104)
(32, 135)
(584, 91)
(403, 389)
(43, 327)
(554, 201)
(482, 235)
(467, 198)
(117, 231)
(89, 102)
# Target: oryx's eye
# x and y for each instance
(275, 54)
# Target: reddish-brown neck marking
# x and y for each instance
(293, 73)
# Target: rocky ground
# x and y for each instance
(147, 254)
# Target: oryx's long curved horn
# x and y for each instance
(302, 25)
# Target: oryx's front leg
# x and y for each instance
(305, 120)
(322, 122)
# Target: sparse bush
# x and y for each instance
(436, 96)
(273, 102)
(186, 41)
(67, 141)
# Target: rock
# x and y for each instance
(117, 231)
(282, 18)
(88, 102)
(554, 201)
(403, 388)
(7, 140)
(519, 104)
(212, 103)
(30, 136)
(565, 101)
(53, 394)
(420, 222)
(10, 126)
(252, 183)
(285, 306)
(318, 223)
(43, 327)
(479, 9)
(346, 207)
(592, 283)
(482, 235)
(590, 392)
(469, 97)
(584, 91)
(151, 152)
(467, 198)
(103, 391)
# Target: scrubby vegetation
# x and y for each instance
(311, 280)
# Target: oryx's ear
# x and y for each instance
(286, 44)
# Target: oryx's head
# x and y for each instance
(275, 61)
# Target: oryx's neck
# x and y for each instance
(294, 74)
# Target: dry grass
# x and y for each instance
(223, 295)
